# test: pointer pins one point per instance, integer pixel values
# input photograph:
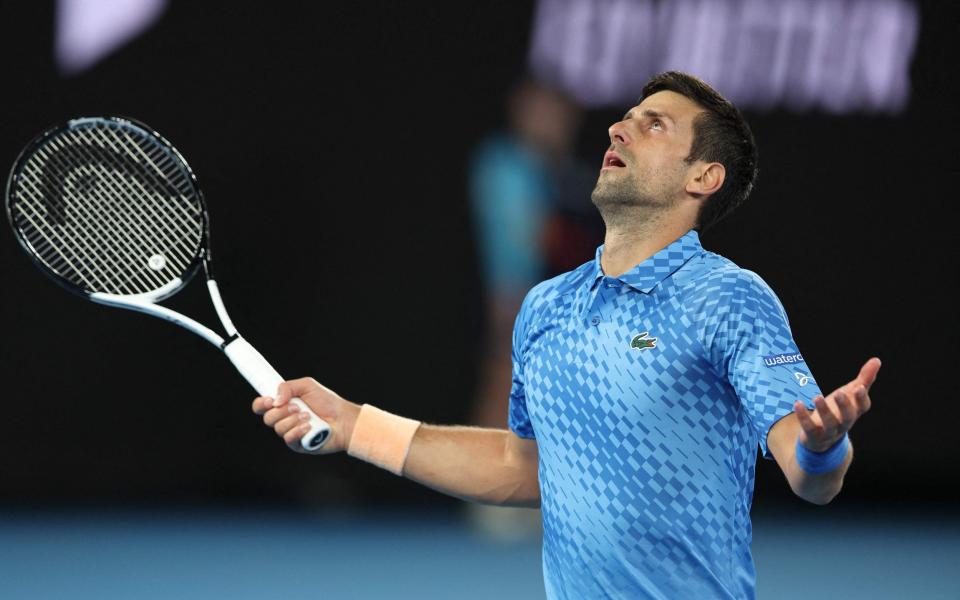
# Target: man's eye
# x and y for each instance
(656, 125)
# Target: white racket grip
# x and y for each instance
(265, 379)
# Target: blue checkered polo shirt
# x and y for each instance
(648, 395)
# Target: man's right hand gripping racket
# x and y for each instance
(111, 211)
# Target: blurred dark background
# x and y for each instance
(333, 143)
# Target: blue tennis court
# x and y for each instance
(192, 554)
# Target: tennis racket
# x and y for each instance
(110, 210)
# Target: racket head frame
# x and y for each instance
(202, 259)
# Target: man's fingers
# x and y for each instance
(288, 423)
(262, 404)
(806, 419)
(868, 372)
(292, 437)
(848, 409)
(827, 416)
(275, 415)
(295, 388)
(863, 400)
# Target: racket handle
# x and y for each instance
(265, 379)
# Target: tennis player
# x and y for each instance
(643, 382)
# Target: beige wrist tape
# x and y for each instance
(382, 439)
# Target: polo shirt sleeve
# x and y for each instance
(752, 346)
(519, 418)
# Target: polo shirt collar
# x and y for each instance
(645, 276)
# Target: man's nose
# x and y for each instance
(618, 134)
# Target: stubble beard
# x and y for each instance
(628, 200)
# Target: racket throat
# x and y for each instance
(218, 305)
(145, 303)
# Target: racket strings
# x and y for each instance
(124, 218)
(56, 252)
(81, 238)
(87, 249)
(109, 209)
(161, 220)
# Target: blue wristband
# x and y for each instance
(822, 462)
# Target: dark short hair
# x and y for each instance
(720, 134)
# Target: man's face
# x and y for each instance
(644, 166)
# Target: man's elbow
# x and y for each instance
(512, 485)
(520, 495)
(515, 501)
(820, 495)
(529, 502)
(819, 500)
(531, 499)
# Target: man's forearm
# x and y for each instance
(818, 488)
(490, 466)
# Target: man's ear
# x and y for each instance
(705, 179)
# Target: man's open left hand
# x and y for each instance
(833, 416)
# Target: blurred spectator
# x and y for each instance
(531, 205)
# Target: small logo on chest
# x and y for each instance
(642, 342)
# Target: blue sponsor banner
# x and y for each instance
(776, 360)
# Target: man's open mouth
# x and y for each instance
(610, 159)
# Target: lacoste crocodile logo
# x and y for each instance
(642, 342)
